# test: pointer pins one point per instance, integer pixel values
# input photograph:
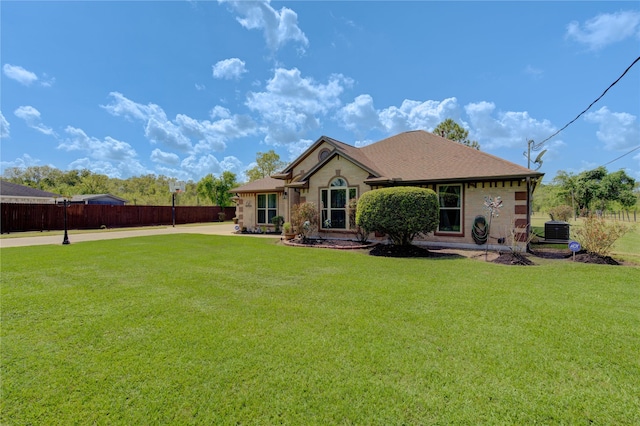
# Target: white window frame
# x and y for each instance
(458, 208)
(351, 192)
(266, 209)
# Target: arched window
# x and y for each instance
(323, 154)
(335, 204)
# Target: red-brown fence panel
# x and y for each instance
(49, 217)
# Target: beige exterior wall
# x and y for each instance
(512, 214)
(310, 160)
(247, 211)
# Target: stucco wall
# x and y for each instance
(512, 214)
(246, 211)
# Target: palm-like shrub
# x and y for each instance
(402, 213)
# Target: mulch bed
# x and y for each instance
(513, 259)
(508, 258)
(329, 243)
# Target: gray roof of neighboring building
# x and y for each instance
(10, 189)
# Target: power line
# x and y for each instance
(623, 155)
(590, 105)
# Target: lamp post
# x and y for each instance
(65, 240)
(173, 208)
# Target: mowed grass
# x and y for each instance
(193, 329)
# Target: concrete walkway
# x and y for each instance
(109, 234)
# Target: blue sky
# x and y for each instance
(187, 88)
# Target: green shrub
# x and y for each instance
(597, 236)
(402, 213)
(562, 213)
(277, 222)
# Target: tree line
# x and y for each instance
(590, 191)
(150, 189)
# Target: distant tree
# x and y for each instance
(92, 183)
(217, 189)
(267, 163)
(597, 189)
(453, 131)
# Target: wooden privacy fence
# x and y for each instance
(49, 217)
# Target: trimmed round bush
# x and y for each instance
(400, 212)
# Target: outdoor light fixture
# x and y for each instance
(65, 239)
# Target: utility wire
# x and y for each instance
(623, 155)
(592, 103)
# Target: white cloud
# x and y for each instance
(279, 27)
(202, 165)
(108, 156)
(504, 129)
(605, 29)
(294, 149)
(31, 116)
(177, 134)
(109, 148)
(229, 69)
(219, 112)
(19, 74)
(123, 107)
(158, 156)
(20, 163)
(414, 115)
(4, 127)
(618, 130)
(292, 105)
(360, 116)
(200, 87)
(96, 166)
(167, 133)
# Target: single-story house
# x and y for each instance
(107, 199)
(21, 194)
(330, 173)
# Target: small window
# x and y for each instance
(322, 155)
(450, 197)
(267, 208)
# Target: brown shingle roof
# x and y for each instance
(260, 185)
(423, 156)
(410, 157)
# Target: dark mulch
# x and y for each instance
(550, 253)
(391, 250)
(513, 259)
(328, 243)
(594, 258)
(582, 256)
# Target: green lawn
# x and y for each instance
(194, 329)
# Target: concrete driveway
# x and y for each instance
(109, 234)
